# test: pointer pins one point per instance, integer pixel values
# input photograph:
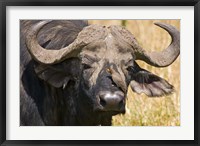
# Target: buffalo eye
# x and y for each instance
(132, 69)
(135, 68)
(86, 66)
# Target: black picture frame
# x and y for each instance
(5, 3)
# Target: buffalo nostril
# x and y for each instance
(102, 102)
(121, 103)
(111, 102)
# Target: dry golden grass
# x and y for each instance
(142, 110)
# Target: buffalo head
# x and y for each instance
(101, 62)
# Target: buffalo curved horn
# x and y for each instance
(168, 55)
(43, 55)
(46, 56)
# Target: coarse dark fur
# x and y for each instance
(42, 104)
(39, 102)
(66, 93)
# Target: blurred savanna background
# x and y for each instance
(142, 110)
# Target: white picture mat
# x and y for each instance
(183, 132)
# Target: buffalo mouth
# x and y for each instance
(100, 111)
(111, 102)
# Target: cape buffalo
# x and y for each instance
(72, 73)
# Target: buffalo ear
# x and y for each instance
(150, 84)
(52, 75)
